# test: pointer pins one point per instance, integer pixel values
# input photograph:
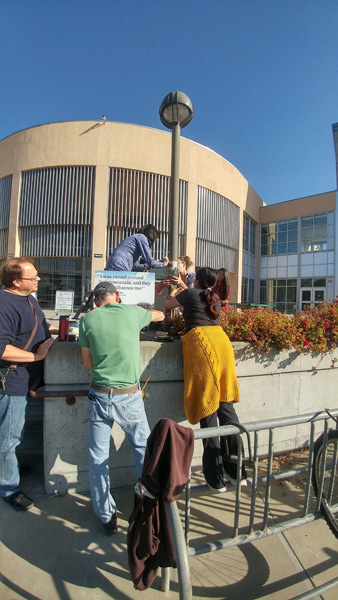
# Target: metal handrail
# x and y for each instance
(68, 391)
(182, 544)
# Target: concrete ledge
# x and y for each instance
(274, 385)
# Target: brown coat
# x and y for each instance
(165, 473)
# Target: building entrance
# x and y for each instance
(311, 297)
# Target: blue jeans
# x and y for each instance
(12, 421)
(103, 409)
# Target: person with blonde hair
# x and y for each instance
(184, 280)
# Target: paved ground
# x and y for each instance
(58, 551)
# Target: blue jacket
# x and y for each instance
(127, 255)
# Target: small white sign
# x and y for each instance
(64, 301)
(134, 288)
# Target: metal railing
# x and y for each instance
(183, 546)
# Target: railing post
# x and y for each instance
(183, 569)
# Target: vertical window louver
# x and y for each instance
(5, 202)
(137, 198)
(217, 231)
(56, 211)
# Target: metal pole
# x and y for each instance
(174, 198)
(183, 568)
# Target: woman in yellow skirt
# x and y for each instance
(210, 381)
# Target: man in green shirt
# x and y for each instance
(109, 337)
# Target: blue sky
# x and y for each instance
(262, 75)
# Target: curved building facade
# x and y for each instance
(71, 191)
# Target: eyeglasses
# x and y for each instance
(36, 278)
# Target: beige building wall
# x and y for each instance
(106, 144)
(297, 208)
(91, 143)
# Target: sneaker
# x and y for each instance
(244, 482)
(111, 526)
(218, 486)
(19, 501)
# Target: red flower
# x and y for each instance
(305, 323)
(326, 325)
(306, 343)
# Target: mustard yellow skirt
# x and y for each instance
(209, 372)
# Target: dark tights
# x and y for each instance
(216, 449)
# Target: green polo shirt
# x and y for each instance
(112, 333)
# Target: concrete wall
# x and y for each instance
(272, 386)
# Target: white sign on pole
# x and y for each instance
(134, 288)
(64, 301)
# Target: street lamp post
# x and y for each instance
(176, 111)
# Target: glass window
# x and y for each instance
(291, 295)
(314, 232)
(319, 296)
(319, 282)
(330, 218)
(293, 225)
(280, 306)
(246, 233)
(279, 238)
(320, 219)
(251, 291)
(252, 248)
(248, 290)
(281, 293)
(62, 274)
(292, 247)
(307, 222)
(244, 289)
(249, 235)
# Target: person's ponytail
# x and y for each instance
(207, 279)
(210, 299)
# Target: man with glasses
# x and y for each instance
(25, 339)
